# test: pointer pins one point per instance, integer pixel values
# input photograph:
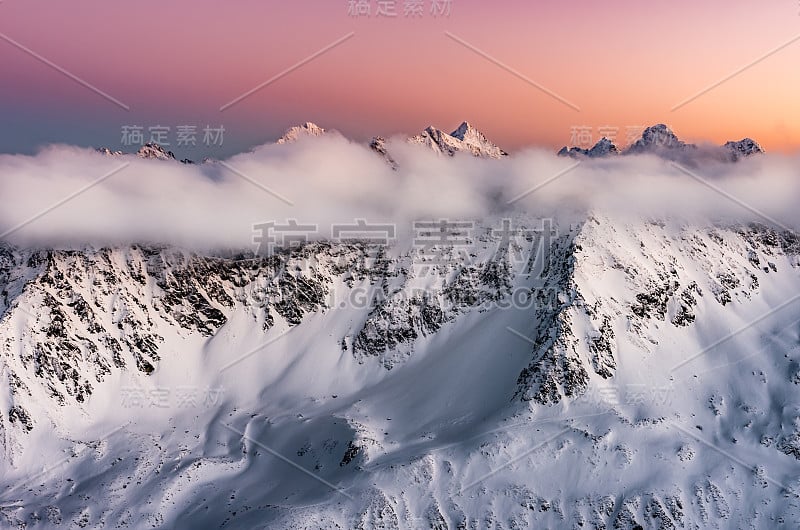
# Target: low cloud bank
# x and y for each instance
(67, 196)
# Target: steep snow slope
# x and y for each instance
(616, 373)
(465, 138)
(308, 129)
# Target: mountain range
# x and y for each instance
(658, 139)
(605, 371)
(613, 381)
(661, 141)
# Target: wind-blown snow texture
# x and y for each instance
(597, 370)
(447, 409)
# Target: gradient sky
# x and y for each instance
(623, 62)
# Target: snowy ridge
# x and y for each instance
(659, 138)
(743, 148)
(148, 151)
(661, 141)
(293, 134)
(152, 150)
(604, 147)
(464, 139)
(378, 144)
(108, 152)
(408, 386)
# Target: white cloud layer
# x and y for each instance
(332, 180)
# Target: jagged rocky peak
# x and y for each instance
(743, 148)
(430, 132)
(378, 144)
(476, 141)
(152, 150)
(108, 152)
(434, 139)
(465, 138)
(658, 138)
(466, 132)
(662, 141)
(604, 147)
(295, 133)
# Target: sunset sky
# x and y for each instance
(622, 63)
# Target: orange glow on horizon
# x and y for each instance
(626, 64)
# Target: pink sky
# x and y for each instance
(624, 63)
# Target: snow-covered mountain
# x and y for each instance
(476, 142)
(300, 131)
(609, 373)
(657, 139)
(152, 150)
(108, 152)
(604, 147)
(378, 144)
(148, 151)
(465, 138)
(660, 140)
(743, 148)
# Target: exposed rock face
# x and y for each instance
(743, 148)
(94, 311)
(378, 144)
(602, 298)
(578, 329)
(154, 151)
(661, 141)
(604, 147)
(108, 152)
(658, 138)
